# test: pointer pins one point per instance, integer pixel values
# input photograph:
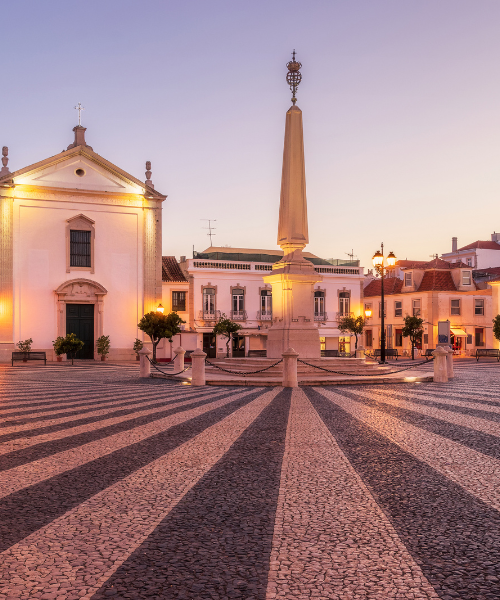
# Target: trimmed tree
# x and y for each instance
(413, 328)
(158, 326)
(353, 326)
(496, 327)
(68, 345)
(226, 328)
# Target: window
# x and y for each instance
(416, 308)
(209, 301)
(266, 303)
(319, 304)
(179, 301)
(455, 307)
(344, 345)
(465, 277)
(238, 304)
(469, 339)
(398, 308)
(79, 248)
(409, 278)
(380, 309)
(369, 338)
(479, 335)
(479, 306)
(344, 303)
(426, 338)
(322, 343)
(398, 338)
(469, 262)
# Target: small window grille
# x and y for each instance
(80, 248)
(179, 301)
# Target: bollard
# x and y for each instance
(144, 365)
(198, 367)
(179, 359)
(360, 352)
(449, 363)
(440, 368)
(290, 368)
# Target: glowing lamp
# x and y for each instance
(378, 259)
(391, 259)
(160, 309)
(368, 312)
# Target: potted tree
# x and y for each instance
(25, 347)
(69, 345)
(59, 347)
(138, 346)
(102, 346)
(159, 326)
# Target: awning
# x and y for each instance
(458, 332)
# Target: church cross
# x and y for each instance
(79, 108)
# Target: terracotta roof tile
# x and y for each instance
(392, 285)
(436, 263)
(436, 280)
(482, 245)
(170, 270)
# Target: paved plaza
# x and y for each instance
(116, 487)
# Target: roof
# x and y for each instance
(170, 270)
(481, 245)
(435, 280)
(252, 255)
(392, 285)
(410, 264)
(436, 263)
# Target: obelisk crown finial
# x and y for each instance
(293, 77)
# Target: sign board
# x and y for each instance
(444, 338)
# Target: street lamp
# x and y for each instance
(378, 263)
(160, 309)
(368, 313)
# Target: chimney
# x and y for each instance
(79, 138)
(495, 237)
(183, 259)
(454, 244)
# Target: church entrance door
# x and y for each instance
(80, 321)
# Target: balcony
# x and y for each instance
(321, 316)
(343, 315)
(209, 315)
(239, 315)
(264, 315)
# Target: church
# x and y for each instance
(80, 251)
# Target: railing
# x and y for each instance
(263, 267)
(209, 315)
(342, 315)
(221, 265)
(321, 316)
(239, 315)
(337, 270)
(264, 315)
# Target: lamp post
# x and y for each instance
(160, 309)
(381, 268)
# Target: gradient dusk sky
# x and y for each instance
(400, 100)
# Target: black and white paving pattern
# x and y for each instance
(116, 487)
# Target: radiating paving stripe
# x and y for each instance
(25, 511)
(452, 535)
(116, 408)
(39, 437)
(478, 398)
(331, 540)
(51, 447)
(476, 473)
(102, 532)
(82, 399)
(480, 420)
(477, 440)
(24, 475)
(217, 541)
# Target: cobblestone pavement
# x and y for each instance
(116, 487)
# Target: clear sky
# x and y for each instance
(400, 99)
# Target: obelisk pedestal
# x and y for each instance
(293, 277)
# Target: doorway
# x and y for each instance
(209, 345)
(80, 321)
(238, 346)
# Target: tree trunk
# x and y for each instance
(227, 346)
(412, 351)
(154, 350)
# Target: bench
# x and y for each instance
(488, 352)
(388, 352)
(25, 356)
(428, 352)
(259, 353)
(330, 353)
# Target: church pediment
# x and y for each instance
(80, 290)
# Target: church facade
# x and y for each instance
(80, 252)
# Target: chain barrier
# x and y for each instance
(365, 374)
(242, 372)
(165, 373)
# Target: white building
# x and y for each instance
(230, 281)
(80, 251)
(481, 254)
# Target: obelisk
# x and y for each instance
(293, 277)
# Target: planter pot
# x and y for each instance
(103, 357)
(59, 358)
(137, 357)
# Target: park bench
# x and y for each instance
(488, 352)
(388, 352)
(330, 353)
(259, 353)
(428, 352)
(25, 356)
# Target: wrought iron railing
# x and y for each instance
(206, 315)
(264, 315)
(239, 315)
(342, 315)
(321, 316)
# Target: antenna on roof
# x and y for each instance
(433, 256)
(351, 254)
(210, 228)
